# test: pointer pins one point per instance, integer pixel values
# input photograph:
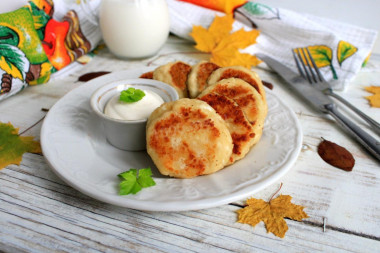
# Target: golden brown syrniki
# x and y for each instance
(197, 80)
(174, 74)
(187, 138)
(244, 95)
(247, 97)
(191, 137)
(241, 130)
(243, 73)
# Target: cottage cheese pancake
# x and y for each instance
(247, 97)
(187, 138)
(243, 73)
(241, 130)
(244, 95)
(174, 74)
(197, 79)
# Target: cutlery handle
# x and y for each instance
(370, 143)
(375, 125)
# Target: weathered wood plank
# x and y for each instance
(37, 204)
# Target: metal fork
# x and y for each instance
(311, 73)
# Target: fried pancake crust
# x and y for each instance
(243, 73)
(174, 74)
(197, 79)
(241, 130)
(187, 138)
(247, 97)
(147, 75)
(244, 95)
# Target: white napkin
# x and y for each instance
(282, 30)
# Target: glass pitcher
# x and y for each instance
(134, 28)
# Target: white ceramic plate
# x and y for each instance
(74, 144)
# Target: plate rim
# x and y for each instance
(175, 205)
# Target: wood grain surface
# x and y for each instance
(41, 213)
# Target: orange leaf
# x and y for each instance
(205, 41)
(232, 57)
(272, 213)
(227, 51)
(374, 100)
(208, 39)
(239, 39)
(13, 146)
(221, 27)
(373, 89)
(223, 45)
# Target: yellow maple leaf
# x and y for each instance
(223, 45)
(374, 100)
(13, 146)
(272, 213)
(208, 39)
(373, 89)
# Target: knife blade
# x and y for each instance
(298, 83)
(323, 103)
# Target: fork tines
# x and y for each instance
(306, 65)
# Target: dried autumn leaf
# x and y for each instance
(223, 45)
(226, 53)
(374, 100)
(13, 146)
(373, 89)
(336, 155)
(208, 39)
(272, 213)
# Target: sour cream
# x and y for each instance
(139, 110)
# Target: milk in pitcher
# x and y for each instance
(134, 28)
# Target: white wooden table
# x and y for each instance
(40, 213)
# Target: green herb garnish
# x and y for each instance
(131, 95)
(131, 183)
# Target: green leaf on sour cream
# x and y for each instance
(131, 95)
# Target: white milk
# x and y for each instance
(134, 28)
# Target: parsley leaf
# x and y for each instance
(131, 95)
(126, 174)
(145, 179)
(131, 183)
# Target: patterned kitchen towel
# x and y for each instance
(340, 49)
(43, 38)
